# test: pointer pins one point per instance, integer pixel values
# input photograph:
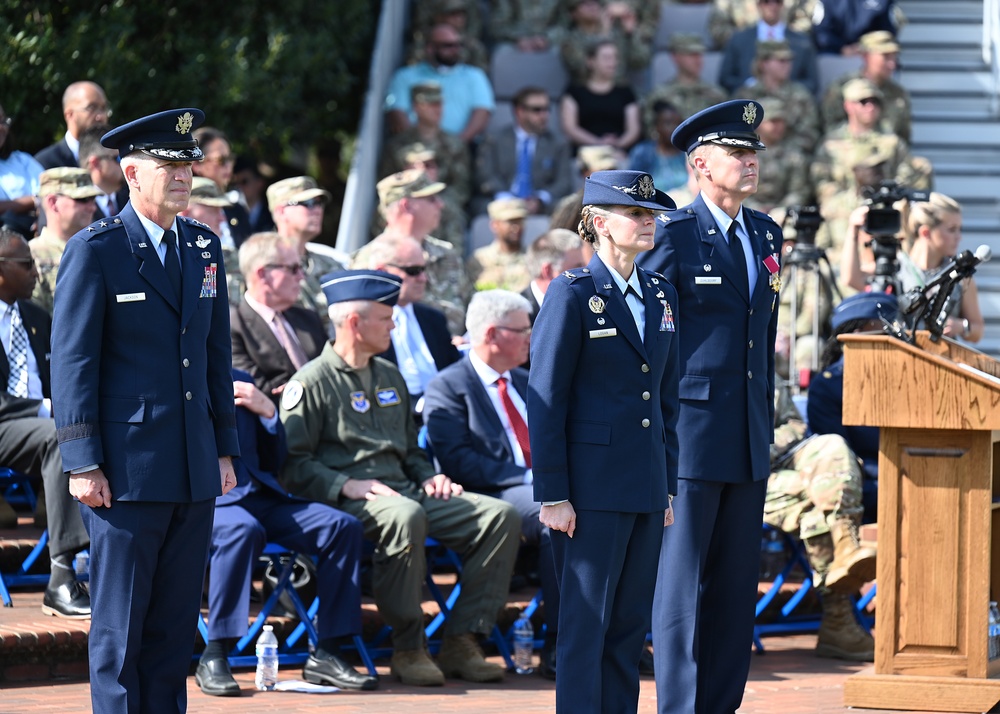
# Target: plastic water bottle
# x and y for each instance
(993, 643)
(524, 645)
(772, 554)
(267, 660)
(82, 563)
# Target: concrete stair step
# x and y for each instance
(930, 108)
(921, 11)
(946, 83)
(967, 135)
(946, 30)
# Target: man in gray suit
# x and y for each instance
(526, 159)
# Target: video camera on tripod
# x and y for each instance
(883, 223)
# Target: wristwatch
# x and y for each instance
(965, 327)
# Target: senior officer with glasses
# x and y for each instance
(143, 399)
(272, 335)
(723, 259)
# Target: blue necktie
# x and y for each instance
(172, 263)
(522, 179)
(739, 260)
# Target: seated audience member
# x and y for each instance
(529, 24)
(19, 175)
(630, 27)
(455, 13)
(879, 62)
(352, 443)
(420, 345)
(863, 312)
(815, 491)
(105, 172)
(250, 182)
(466, 90)
(935, 226)
(257, 510)
(772, 73)
(741, 50)
(687, 91)
(599, 111)
(657, 156)
(729, 16)
(412, 206)
(454, 221)
(783, 180)
(553, 252)
(525, 160)
(844, 22)
(218, 166)
(589, 159)
(272, 335)
(501, 263)
(477, 424)
(27, 431)
(84, 104)
(67, 199)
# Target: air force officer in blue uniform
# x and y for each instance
(602, 413)
(143, 402)
(722, 258)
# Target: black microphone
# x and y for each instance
(963, 265)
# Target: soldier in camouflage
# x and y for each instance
(814, 491)
(880, 59)
(207, 206)
(502, 263)
(68, 199)
(529, 24)
(616, 21)
(686, 90)
(728, 16)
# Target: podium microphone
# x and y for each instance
(960, 268)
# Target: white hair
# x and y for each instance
(491, 307)
(340, 311)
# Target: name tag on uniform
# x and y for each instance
(702, 280)
(130, 297)
(609, 332)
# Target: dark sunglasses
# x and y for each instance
(870, 100)
(28, 262)
(537, 109)
(411, 270)
(309, 203)
(293, 268)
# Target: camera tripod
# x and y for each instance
(806, 257)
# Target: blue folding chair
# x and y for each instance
(17, 488)
(787, 620)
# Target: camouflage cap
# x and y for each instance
(294, 190)
(206, 192)
(686, 43)
(427, 92)
(412, 183)
(507, 209)
(68, 181)
(773, 108)
(773, 49)
(881, 42)
(416, 153)
(598, 158)
(860, 88)
(868, 156)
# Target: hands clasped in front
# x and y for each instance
(562, 517)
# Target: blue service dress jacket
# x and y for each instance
(727, 388)
(602, 400)
(141, 381)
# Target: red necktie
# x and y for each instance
(517, 422)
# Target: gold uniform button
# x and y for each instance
(186, 362)
(188, 396)
(645, 396)
(645, 368)
(645, 423)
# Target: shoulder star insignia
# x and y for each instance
(104, 224)
(90, 229)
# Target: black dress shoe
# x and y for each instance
(70, 600)
(646, 661)
(216, 679)
(332, 670)
(547, 663)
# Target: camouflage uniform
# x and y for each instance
(728, 16)
(490, 268)
(783, 179)
(688, 99)
(896, 107)
(47, 250)
(511, 20)
(800, 105)
(633, 54)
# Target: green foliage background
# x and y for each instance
(285, 80)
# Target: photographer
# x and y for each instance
(935, 226)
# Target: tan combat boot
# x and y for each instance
(415, 667)
(853, 565)
(461, 657)
(840, 635)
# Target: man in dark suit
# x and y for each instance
(525, 160)
(27, 432)
(144, 413)
(421, 344)
(553, 252)
(273, 337)
(84, 104)
(741, 50)
(102, 165)
(259, 509)
(218, 165)
(475, 434)
(723, 259)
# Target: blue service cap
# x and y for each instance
(374, 285)
(164, 135)
(732, 123)
(864, 306)
(625, 188)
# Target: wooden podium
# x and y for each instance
(938, 406)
